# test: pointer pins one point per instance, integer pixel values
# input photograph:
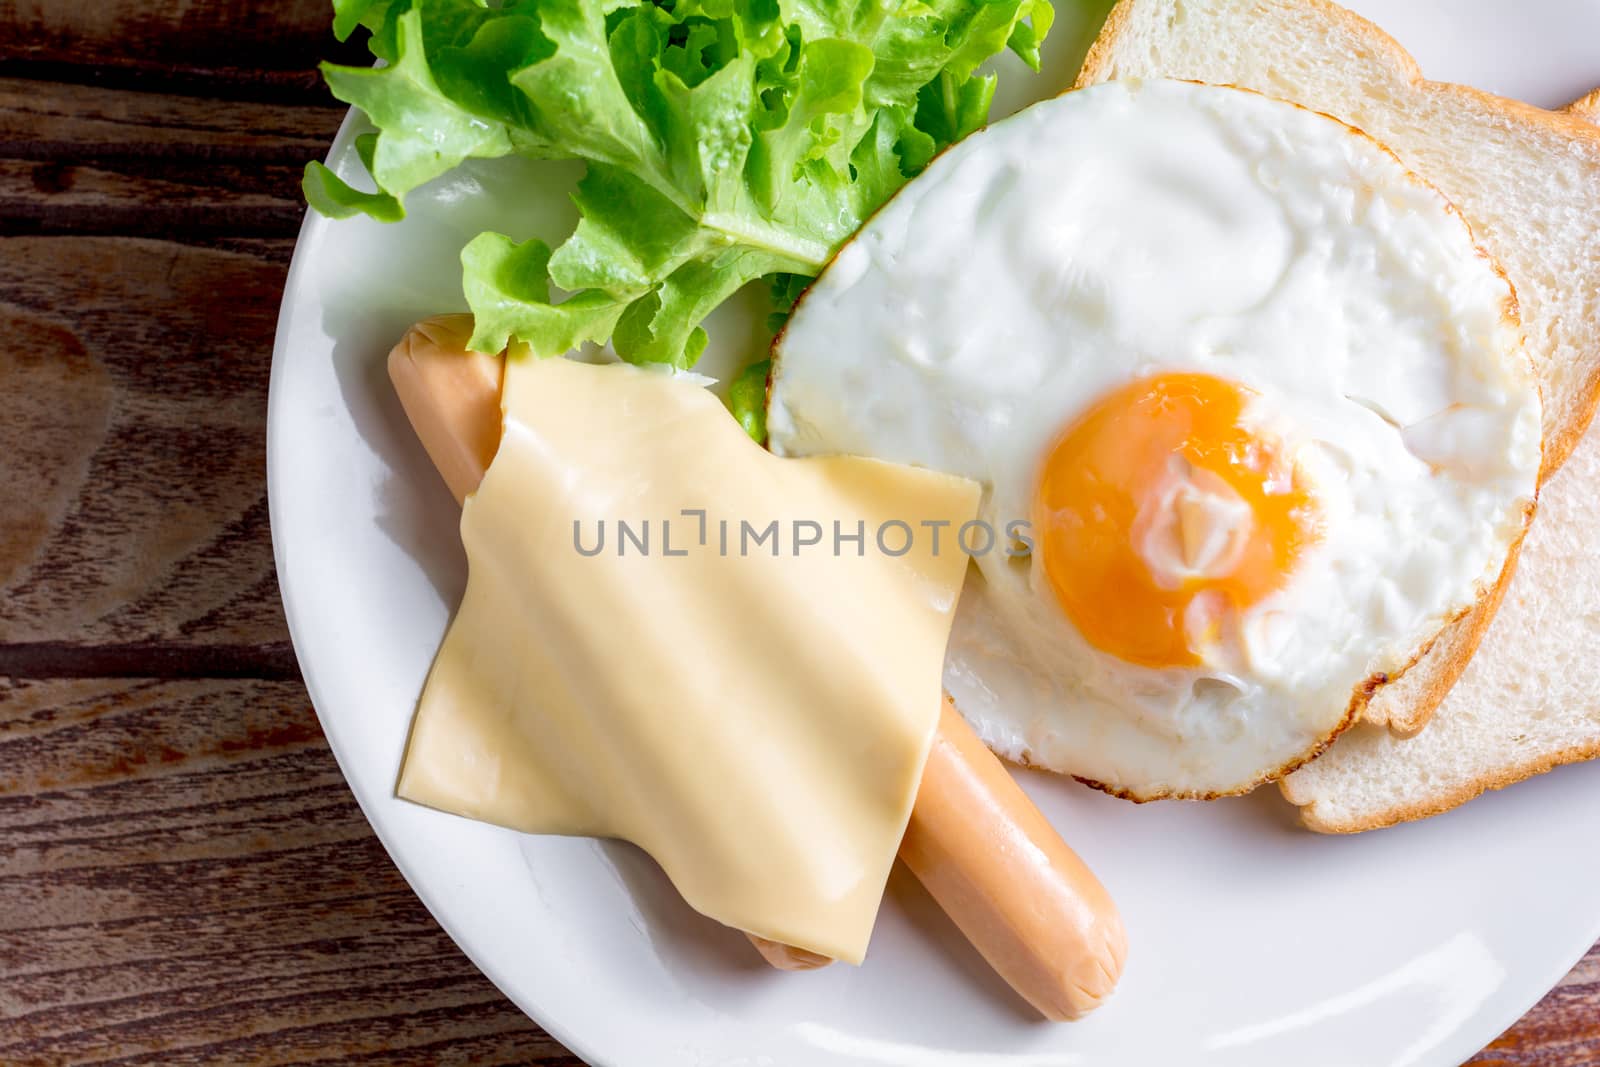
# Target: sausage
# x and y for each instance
(997, 867)
(453, 404)
(787, 957)
(984, 852)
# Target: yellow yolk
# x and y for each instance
(1162, 515)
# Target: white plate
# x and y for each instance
(1253, 942)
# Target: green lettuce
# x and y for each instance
(724, 140)
(747, 399)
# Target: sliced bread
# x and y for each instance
(1530, 699)
(1527, 180)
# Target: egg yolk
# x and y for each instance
(1162, 516)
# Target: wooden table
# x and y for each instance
(184, 877)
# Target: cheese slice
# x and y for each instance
(752, 709)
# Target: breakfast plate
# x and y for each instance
(1253, 941)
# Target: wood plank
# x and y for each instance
(185, 878)
(65, 198)
(76, 159)
(1562, 1031)
(252, 47)
(58, 119)
(133, 430)
(133, 389)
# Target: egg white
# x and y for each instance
(1136, 228)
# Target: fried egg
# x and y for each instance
(1250, 409)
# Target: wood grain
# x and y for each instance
(261, 48)
(132, 408)
(184, 877)
(82, 160)
(133, 377)
(1562, 1031)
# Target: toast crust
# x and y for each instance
(1586, 108)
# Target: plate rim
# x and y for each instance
(1466, 1041)
(311, 223)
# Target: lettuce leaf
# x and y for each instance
(724, 140)
(747, 399)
